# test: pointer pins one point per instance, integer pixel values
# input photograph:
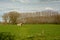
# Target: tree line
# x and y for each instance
(35, 17)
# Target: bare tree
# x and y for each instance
(57, 18)
(13, 16)
(5, 17)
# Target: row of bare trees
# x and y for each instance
(43, 19)
(36, 17)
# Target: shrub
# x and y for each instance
(6, 36)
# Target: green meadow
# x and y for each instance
(36, 31)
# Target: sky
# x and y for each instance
(28, 5)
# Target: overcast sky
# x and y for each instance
(28, 5)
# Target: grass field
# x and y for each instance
(47, 31)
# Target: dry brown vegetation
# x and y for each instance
(34, 17)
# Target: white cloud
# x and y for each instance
(49, 8)
(24, 1)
